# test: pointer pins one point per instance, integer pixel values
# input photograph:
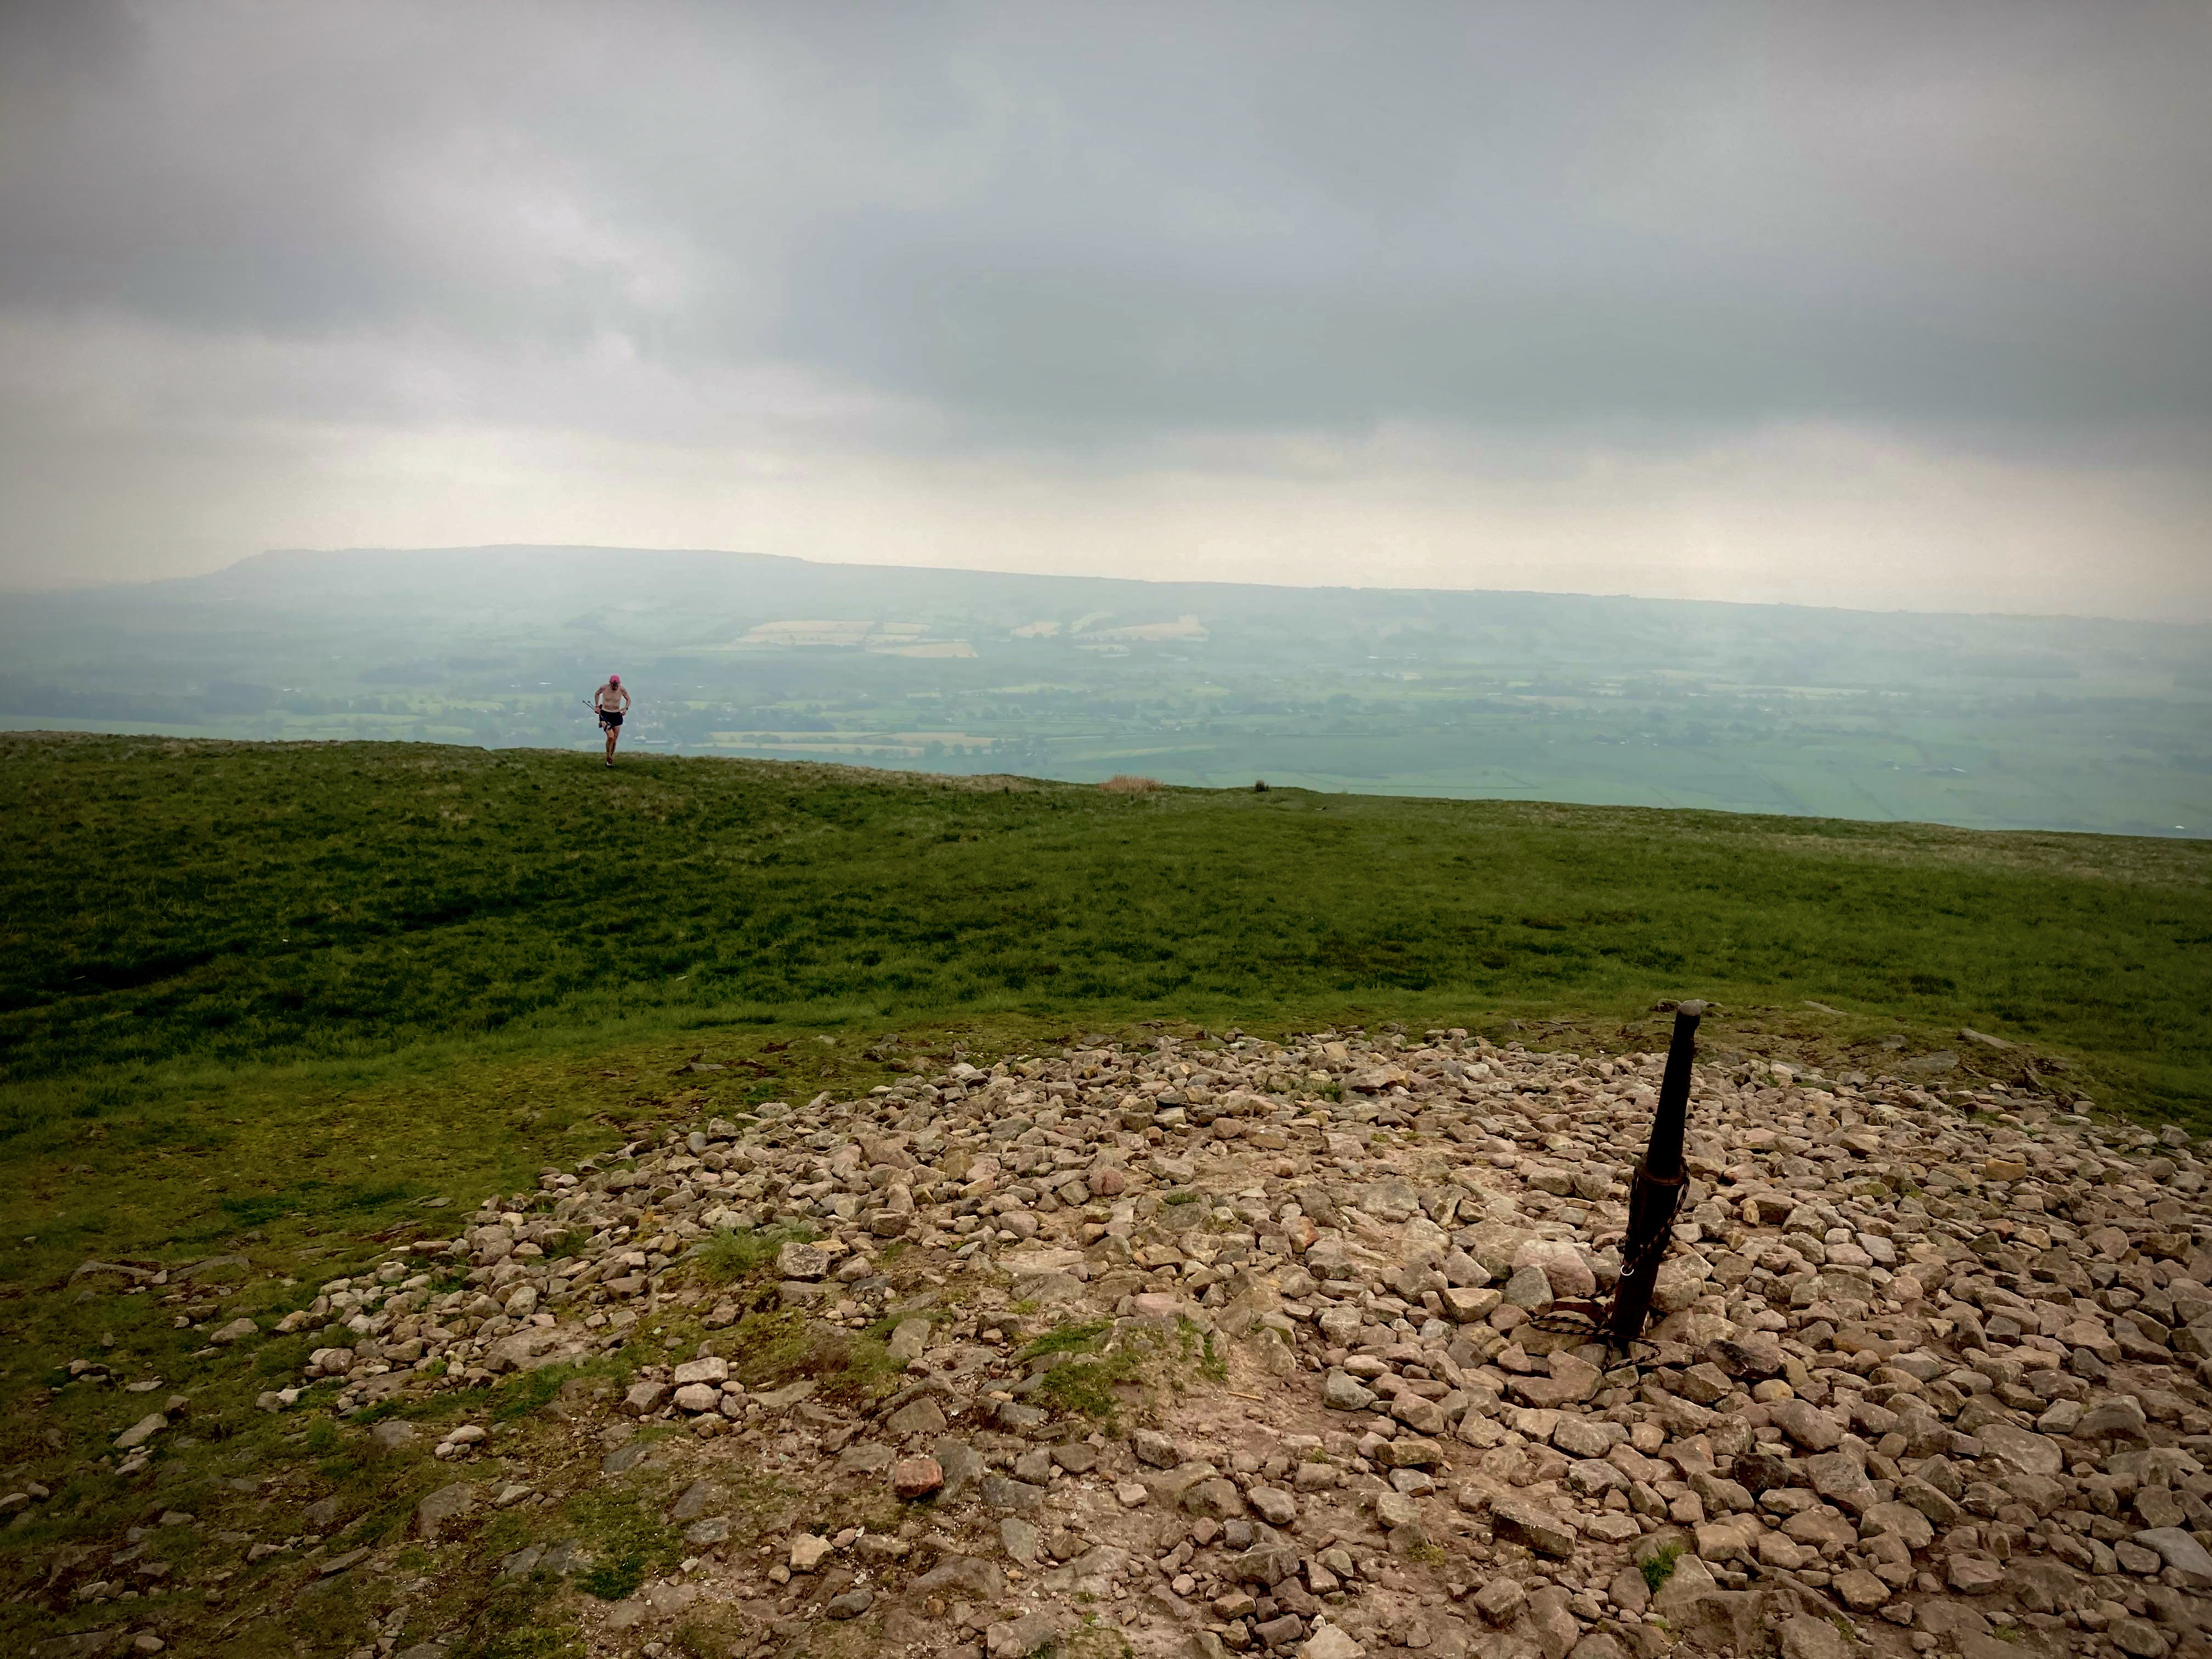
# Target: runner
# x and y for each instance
(613, 703)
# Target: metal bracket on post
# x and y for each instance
(1657, 1191)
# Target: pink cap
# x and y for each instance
(614, 679)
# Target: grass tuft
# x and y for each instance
(1659, 1566)
(1085, 1387)
(1081, 1366)
(733, 1254)
(626, 1541)
(770, 1347)
(1077, 1336)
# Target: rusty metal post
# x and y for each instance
(1656, 1192)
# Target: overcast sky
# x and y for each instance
(1898, 307)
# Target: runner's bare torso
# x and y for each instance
(611, 701)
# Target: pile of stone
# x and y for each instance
(1928, 1371)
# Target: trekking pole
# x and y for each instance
(1656, 1192)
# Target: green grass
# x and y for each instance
(1659, 1566)
(511, 1624)
(1084, 1385)
(770, 1346)
(176, 902)
(628, 1543)
(1077, 1336)
(730, 1254)
(1087, 1363)
(1212, 1363)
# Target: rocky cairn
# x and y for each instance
(1926, 1373)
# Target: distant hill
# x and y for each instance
(627, 591)
(1988, 720)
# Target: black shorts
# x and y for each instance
(612, 718)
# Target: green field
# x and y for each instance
(176, 903)
(270, 1000)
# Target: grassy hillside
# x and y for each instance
(172, 902)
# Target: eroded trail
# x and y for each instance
(1229, 1347)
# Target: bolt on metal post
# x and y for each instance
(1656, 1192)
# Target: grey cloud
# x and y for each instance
(1080, 222)
(1579, 224)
